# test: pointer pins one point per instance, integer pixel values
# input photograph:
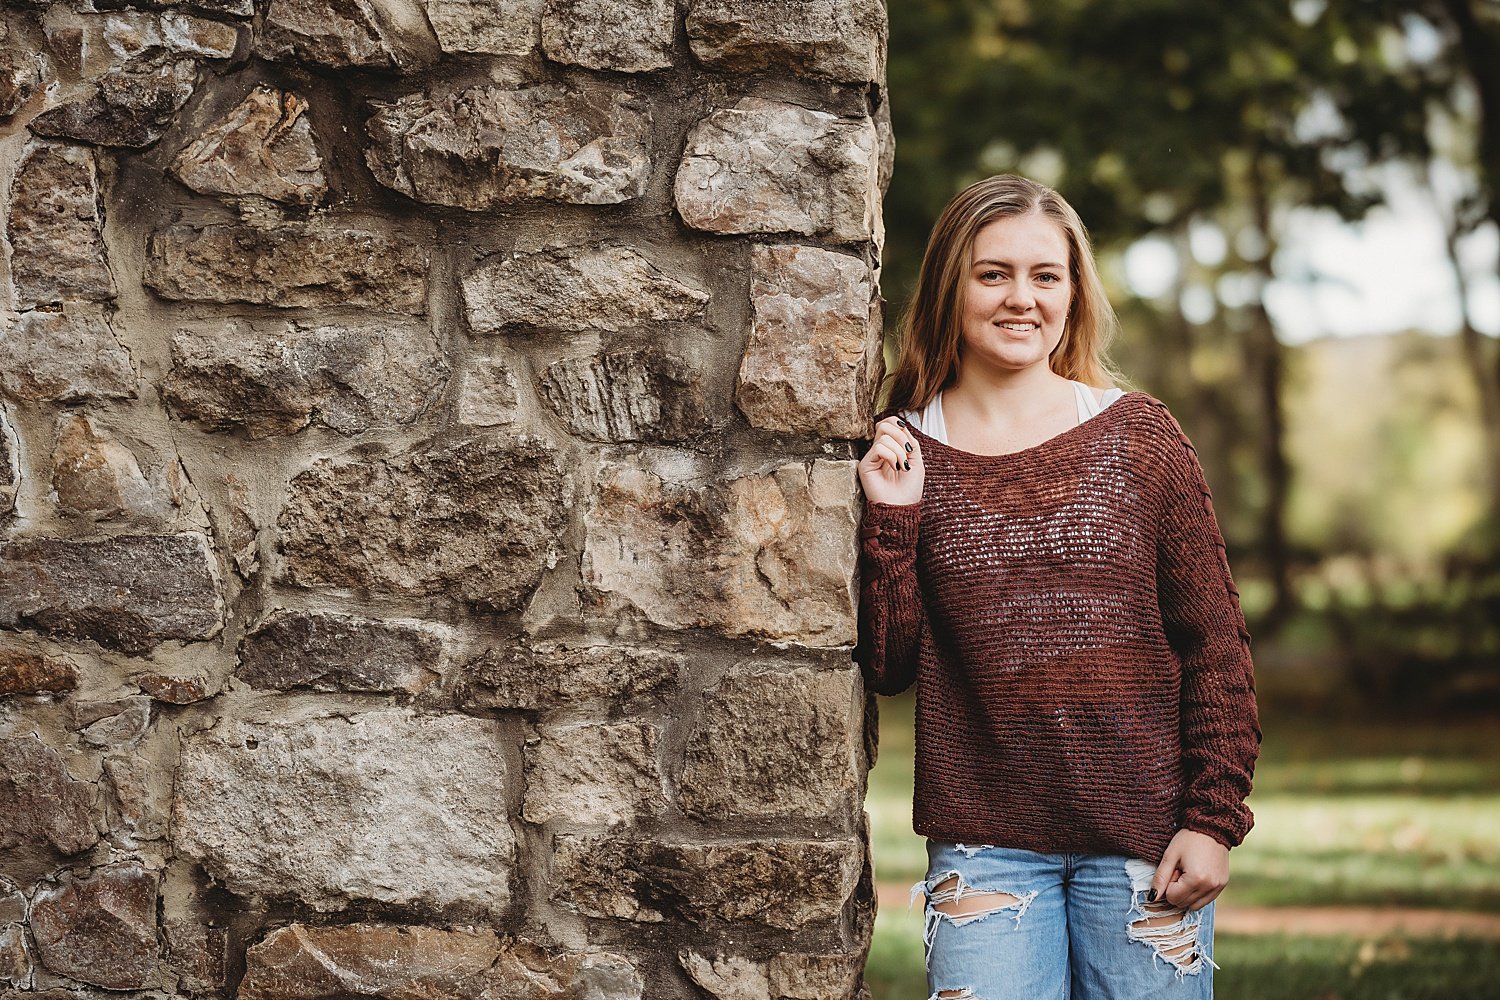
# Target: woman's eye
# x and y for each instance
(1048, 277)
(986, 276)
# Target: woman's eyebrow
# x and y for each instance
(1006, 263)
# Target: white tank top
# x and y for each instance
(930, 420)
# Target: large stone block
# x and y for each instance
(576, 288)
(94, 475)
(328, 652)
(95, 44)
(768, 167)
(99, 929)
(25, 672)
(787, 976)
(488, 146)
(264, 147)
(842, 40)
(364, 807)
(554, 674)
(63, 356)
(774, 743)
(279, 378)
(127, 592)
(630, 394)
(474, 518)
(10, 462)
(813, 354)
(133, 108)
(487, 27)
(40, 802)
(593, 773)
(343, 33)
(786, 884)
(392, 962)
(625, 35)
(55, 227)
(20, 76)
(767, 555)
(310, 264)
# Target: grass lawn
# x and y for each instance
(1359, 813)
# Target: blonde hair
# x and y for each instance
(929, 327)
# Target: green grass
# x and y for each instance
(1352, 812)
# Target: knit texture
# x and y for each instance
(1067, 613)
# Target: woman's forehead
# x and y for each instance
(1022, 238)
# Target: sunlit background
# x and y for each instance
(1295, 206)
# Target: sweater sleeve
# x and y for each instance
(1200, 612)
(892, 616)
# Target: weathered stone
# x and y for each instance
(64, 356)
(813, 355)
(25, 672)
(488, 27)
(126, 721)
(176, 689)
(131, 109)
(99, 929)
(342, 33)
(554, 674)
(40, 803)
(576, 288)
(264, 147)
(15, 961)
(132, 808)
(290, 265)
(280, 379)
(391, 962)
(593, 773)
(96, 476)
(786, 884)
(240, 528)
(488, 394)
(473, 518)
(487, 146)
(626, 35)
(20, 76)
(627, 395)
(127, 592)
(842, 40)
(769, 555)
(95, 45)
(10, 461)
(55, 228)
(328, 652)
(787, 976)
(768, 167)
(196, 954)
(331, 810)
(774, 743)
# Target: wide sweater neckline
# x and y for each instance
(1093, 425)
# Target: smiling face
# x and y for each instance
(1016, 293)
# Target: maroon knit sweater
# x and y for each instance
(1068, 615)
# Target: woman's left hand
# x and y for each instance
(1193, 871)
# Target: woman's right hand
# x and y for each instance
(891, 471)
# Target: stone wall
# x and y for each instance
(427, 496)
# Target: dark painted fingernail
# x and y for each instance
(908, 466)
(1151, 896)
(908, 446)
(903, 423)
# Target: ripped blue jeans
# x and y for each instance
(1007, 923)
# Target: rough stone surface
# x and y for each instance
(487, 146)
(775, 743)
(131, 806)
(96, 476)
(813, 355)
(555, 674)
(576, 288)
(510, 28)
(10, 462)
(294, 264)
(350, 808)
(488, 393)
(788, 976)
(20, 76)
(127, 592)
(100, 929)
(841, 40)
(40, 803)
(96, 45)
(343, 33)
(122, 722)
(328, 652)
(132, 109)
(475, 518)
(593, 773)
(176, 689)
(15, 960)
(768, 167)
(63, 356)
(264, 147)
(25, 672)
(392, 962)
(55, 228)
(196, 954)
(626, 35)
(769, 555)
(632, 394)
(281, 378)
(787, 884)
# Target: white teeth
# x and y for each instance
(1019, 326)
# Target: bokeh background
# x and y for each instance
(1296, 206)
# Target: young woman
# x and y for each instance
(1041, 557)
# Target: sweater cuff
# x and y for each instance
(892, 525)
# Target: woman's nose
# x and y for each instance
(1019, 297)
